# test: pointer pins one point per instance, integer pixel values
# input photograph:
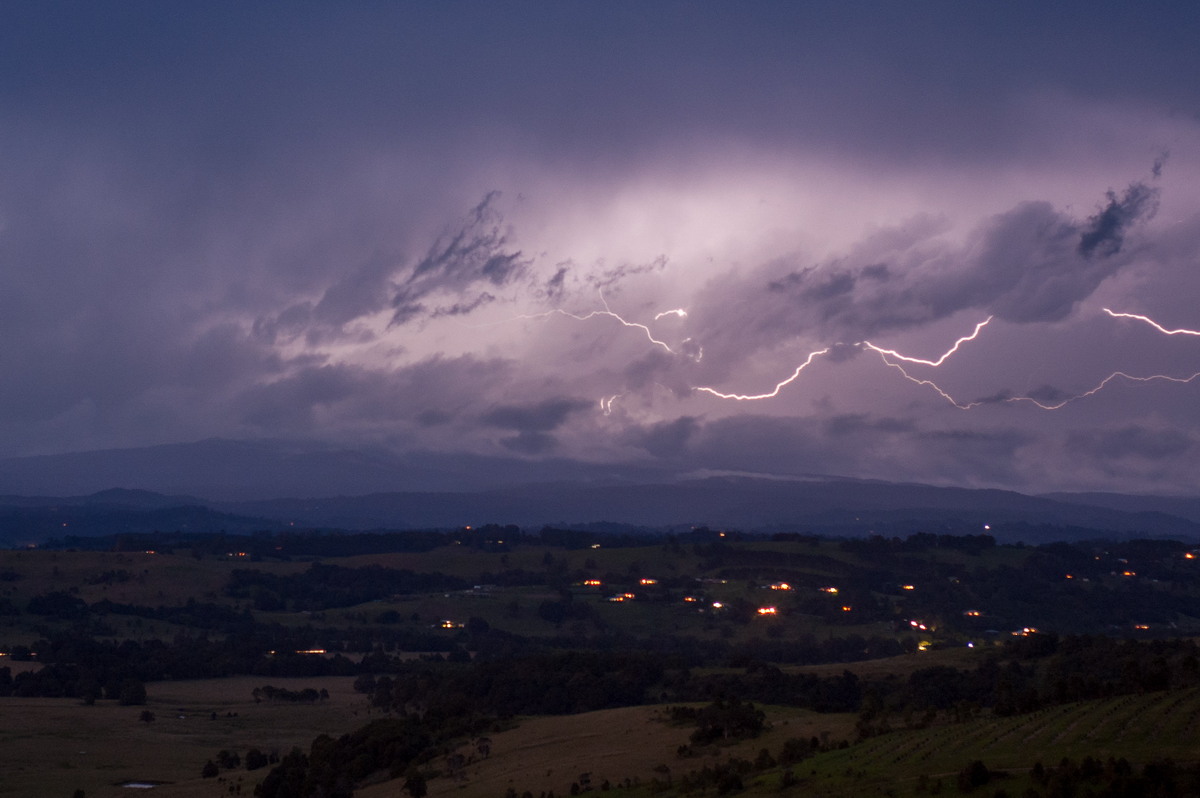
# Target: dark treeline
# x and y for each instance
(307, 695)
(324, 587)
(1115, 778)
(289, 543)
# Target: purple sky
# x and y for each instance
(429, 227)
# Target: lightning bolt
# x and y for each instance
(778, 387)
(1104, 382)
(1151, 322)
(610, 313)
(606, 403)
(940, 360)
(884, 354)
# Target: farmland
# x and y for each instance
(481, 662)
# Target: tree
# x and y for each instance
(133, 693)
(256, 759)
(210, 770)
(146, 717)
(415, 785)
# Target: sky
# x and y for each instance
(694, 237)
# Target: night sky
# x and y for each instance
(539, 230)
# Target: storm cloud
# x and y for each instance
(535, 233)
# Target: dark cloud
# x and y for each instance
(1131, 441)
(1105, 232)
(668, 439)
(543, 416)
(463, 308)
(1030, 264)
(530, 442)
(610, 276)
(554, 287)
(361, 292)
(858, 423)
(476, 253)
(351, 399)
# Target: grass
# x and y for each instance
(1139, 728)
(634, 744)
(51, 746)
(550, 753)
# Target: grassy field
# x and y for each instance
(550, 753)
(52, 747)
(635, 744)
(1139, 728)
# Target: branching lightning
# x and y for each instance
(884, 353)
(1043, 405)
(891, 356)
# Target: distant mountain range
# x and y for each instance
(237, 487)
(225, 470)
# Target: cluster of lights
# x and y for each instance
(768, 611)
(830, 590)
(781, 586)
